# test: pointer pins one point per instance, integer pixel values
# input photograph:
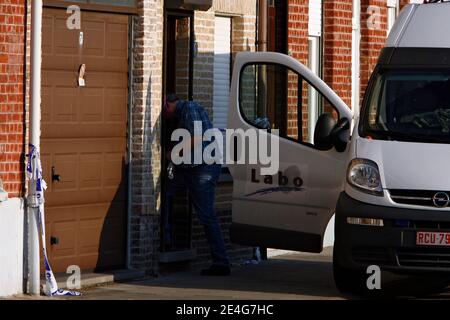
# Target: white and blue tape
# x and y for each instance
(34, 172)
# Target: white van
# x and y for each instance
(388, 181)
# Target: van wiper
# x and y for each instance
(406, 136)
(443, 116)
(414, 137)
(438, 118)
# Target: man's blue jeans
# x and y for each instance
(200, 181)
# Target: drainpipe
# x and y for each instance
(35, 132)
(356, 64)
(262, 9)
(262, 25)
(262, 46)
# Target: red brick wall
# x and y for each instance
(337, 41)
(373, 38)
(403, 3)
(337, 67)
(298, 30)
(298, 48)
(12, 50)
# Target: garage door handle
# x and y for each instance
(54, 240)
(55, 176)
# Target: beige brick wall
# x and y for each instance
(243, 14)
(146, 156)
(239, 7)
(204, 58)
(244, 33)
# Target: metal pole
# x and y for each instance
(262, 25)
(35, 132)
(356, 36)
(262, 69)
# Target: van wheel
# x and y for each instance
(348, 281)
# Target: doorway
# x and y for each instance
(176, 213)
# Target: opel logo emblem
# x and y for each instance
(441, 200)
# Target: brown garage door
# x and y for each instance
(84, 139)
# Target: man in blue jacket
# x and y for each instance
(198, 179)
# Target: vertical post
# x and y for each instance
(313, 94)
(262, 25)
(35, 132)
(262, 84)
(130, 137)
(356, 39)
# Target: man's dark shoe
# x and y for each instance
(215, 270)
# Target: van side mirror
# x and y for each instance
(323, 132)
(340, 134)
(329, 133)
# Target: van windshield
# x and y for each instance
(409, 105)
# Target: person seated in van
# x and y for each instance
(199, 180)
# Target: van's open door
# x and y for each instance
(291, 208)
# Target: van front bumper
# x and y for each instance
(392, 247)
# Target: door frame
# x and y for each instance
(129, 157)
(107, 8)
(182, 14)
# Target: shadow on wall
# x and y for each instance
(144, 198)
(112, 246)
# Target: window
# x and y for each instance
(275, 97)
(314, 60)
(315, 18)
(393, 9)
(409, 105)
(222, 70)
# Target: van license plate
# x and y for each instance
(433, 238)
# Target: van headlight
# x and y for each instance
(364, 175)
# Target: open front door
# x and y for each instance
(291, 208)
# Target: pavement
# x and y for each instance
(288, 276)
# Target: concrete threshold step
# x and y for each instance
(177, 256)
(92, 279)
